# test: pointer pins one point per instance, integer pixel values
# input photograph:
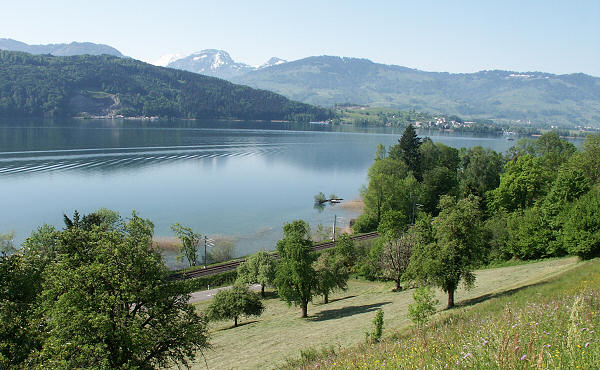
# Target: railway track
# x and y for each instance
(228, 266)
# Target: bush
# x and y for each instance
(423, 307)
(365, 223)
(581, 234)
(375, 335)
(214, 281)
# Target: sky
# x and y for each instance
(448, 36)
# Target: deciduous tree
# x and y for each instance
(296, 280)
(456, 246)
(235, 302)
(259, 268)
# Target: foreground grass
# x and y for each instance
(280, 334)
(552, 324)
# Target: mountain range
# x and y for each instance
(529, 97)
(212, 62)
(74, 48)
(108, 86)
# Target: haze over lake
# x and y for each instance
(242, 180)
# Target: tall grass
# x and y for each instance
(553, 324)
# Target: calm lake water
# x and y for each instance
(239, 180)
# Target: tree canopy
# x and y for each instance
(233, 303)
(296, 280)
(99, 298)
(259, 268)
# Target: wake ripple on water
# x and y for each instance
(102, 160)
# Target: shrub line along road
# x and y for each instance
(210, 270)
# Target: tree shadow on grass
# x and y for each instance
(239, 324)
(341, 298)
(504, 293)
(346, 311)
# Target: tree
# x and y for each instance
(107, 303)
(233, 303)
(331, 273)
(380, 152)
(224, 250)
(18, 292)
(455, 246)
(296, 278)
(189, 242)
(259, 268)
(396, 247)
(581, 234)
(530, 235)
(7, 243)
(524, 181)
(480, 171)
(407, 149)
(345, 250)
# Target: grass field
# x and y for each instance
(550, 325)
(280, 334)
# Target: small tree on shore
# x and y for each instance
(233, 303)
(259, 268)
(189, 242)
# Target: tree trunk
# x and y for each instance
(304, 309)
(262, 290)
(398, 287)
(326, 298)
(450, 298)
(235, 322)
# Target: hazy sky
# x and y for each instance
(453, 36)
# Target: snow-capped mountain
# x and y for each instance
(272, 62)
(211, 62)
(166, 59)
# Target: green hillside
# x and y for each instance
(43, 85)
(542, 98)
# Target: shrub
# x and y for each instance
(375, 335)
(424, 306)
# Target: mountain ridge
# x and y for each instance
(545, 98)
(49, 86)
(64, 49)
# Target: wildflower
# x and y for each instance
(484, 341)
(586, 344)
(467, 355)
(523, 357)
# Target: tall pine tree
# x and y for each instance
(407, 149)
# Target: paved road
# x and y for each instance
(203, 295)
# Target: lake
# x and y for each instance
(239, 181)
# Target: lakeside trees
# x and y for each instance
(475, 206)
(189, 243)
(259, 268)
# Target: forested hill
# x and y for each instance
(43, 85)
(541, 98)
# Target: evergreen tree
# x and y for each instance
(407, 149)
